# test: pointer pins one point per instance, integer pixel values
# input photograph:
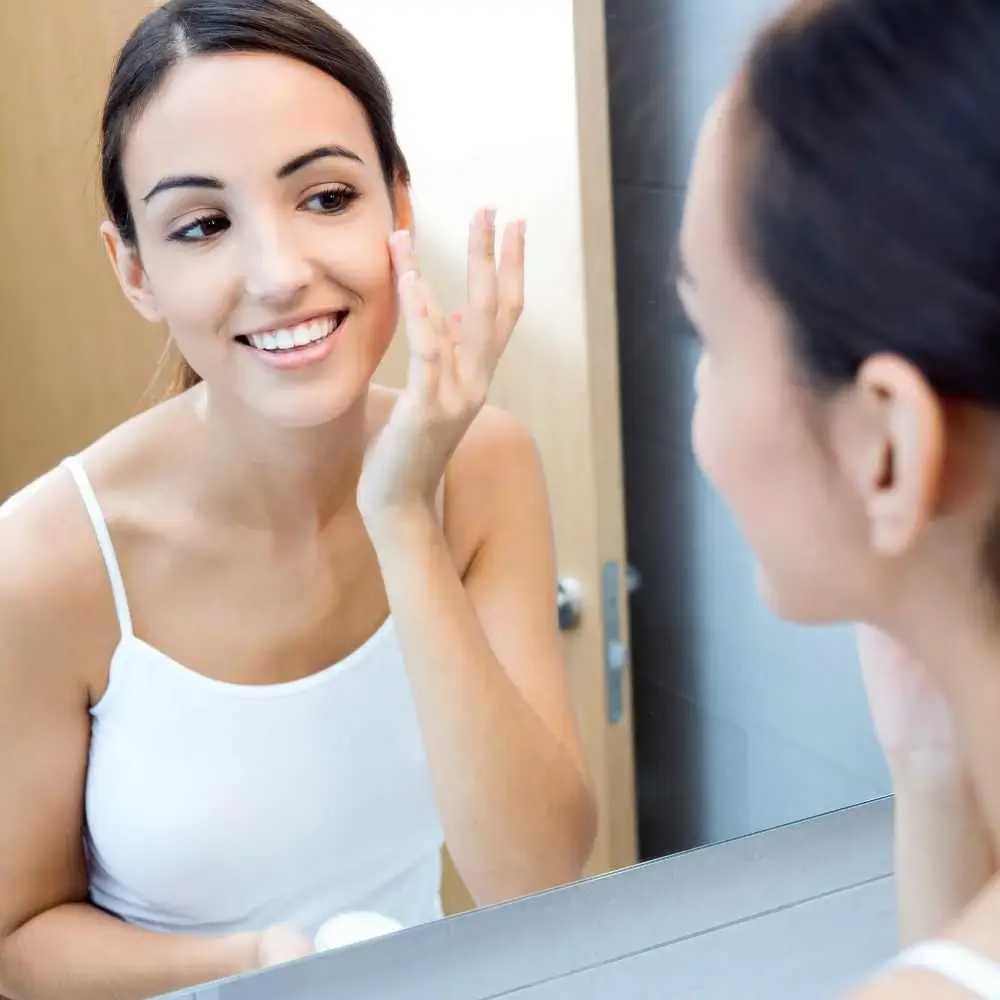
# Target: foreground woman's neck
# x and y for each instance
(291, 481)
(955, 634)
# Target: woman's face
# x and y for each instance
(779, 455)
(262, 218)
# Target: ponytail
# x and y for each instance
(173, 376)
(185, 377)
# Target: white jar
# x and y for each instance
(352, 928)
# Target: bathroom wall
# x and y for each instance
(742, 722)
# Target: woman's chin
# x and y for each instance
(306, 407)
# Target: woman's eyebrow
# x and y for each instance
(299, 162)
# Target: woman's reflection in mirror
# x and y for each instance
(271, 644)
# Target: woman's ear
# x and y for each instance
(129, 271)
(899, 458)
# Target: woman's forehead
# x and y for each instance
(232, 107)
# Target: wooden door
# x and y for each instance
(74, 357)
(76, 360)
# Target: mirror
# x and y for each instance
(700, 718)
(742, 722)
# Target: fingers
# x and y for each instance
(404, 257)
(510, 280)
(482, 270)
(425, 328)
(466, 347)
(495, 293)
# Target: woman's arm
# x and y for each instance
(483, 651)
(53, 944)
(485, 661)
(75, 952)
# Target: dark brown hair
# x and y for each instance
(870, 204)
(870, 200)
(181, 29)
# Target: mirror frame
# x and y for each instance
(646, 911)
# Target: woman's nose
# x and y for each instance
(278, 270)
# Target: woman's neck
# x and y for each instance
(290, 481)
(955, 633)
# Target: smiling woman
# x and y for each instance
(282, 677)
(344, 189)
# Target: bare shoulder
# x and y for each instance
(495, 474)
(55, 603)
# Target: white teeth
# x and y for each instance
(296, 336)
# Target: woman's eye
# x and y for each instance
(201, 229)
(331, 201)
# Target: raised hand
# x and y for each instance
(452, 363)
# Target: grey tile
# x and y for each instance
(657, 355)
(691, 774)
(809, 693)
(667, 62)
(786, 782)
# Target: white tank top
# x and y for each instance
(214, 807)
(956, 963)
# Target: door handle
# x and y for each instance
(616, 653)
(569, 597)
(569, 602)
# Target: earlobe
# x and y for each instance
(902, 480)
(126, 264)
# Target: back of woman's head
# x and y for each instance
(870, 202)
(182, 29)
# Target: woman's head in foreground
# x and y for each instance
(253, 177)
(840, 259)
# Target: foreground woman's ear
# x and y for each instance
(899, 469)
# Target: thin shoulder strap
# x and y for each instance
(957, 964)
(76, 470)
